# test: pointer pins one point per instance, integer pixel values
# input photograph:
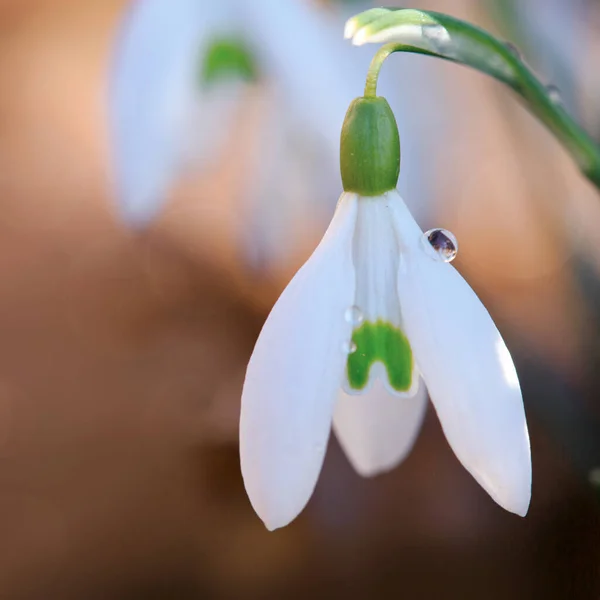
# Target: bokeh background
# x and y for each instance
(122, 354)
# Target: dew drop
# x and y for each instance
(354, 316)
(554, 94)
(513, 50)
(441, 244)
(349, 347)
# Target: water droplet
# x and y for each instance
(513, 50)
(441, 244)
(354, 316)
(554, 94)
(594, 477)
(349, 347)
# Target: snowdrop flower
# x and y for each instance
(156, 91)
(376, 315)
(166, 114)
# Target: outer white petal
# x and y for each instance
(152, 92)
(294, 376)
(468, 370)
(377, 430)
(301, 48)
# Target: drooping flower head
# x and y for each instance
(376, 318)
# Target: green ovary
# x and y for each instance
(385, 343)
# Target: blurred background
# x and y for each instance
(122, 354)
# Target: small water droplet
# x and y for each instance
(441, 244)
(354, 316)
(349, 347)
(554, 94)
(513, 50)
(594, 477)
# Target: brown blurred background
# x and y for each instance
(122, 355)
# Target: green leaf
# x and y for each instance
(442, 36)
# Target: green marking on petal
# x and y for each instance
(228, 57)
(385, 343)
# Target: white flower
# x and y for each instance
(374, 316)
(164, 119)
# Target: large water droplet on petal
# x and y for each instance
(354, 316)
(440, 244)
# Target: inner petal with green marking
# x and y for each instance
(384, 343)
(380, 350)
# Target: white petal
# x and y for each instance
(281, 28)
(468, 370)
(207, 123)
(376, 256)
(382, 348)
(153, 89)
(376, 429)
(284, 203)
(294, 376)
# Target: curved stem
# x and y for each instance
(375, 68)
(442, 36)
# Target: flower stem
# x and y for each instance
(442, 36)
(375, 68)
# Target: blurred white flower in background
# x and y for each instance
(167, 116)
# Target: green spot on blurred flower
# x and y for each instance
(228, 58)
